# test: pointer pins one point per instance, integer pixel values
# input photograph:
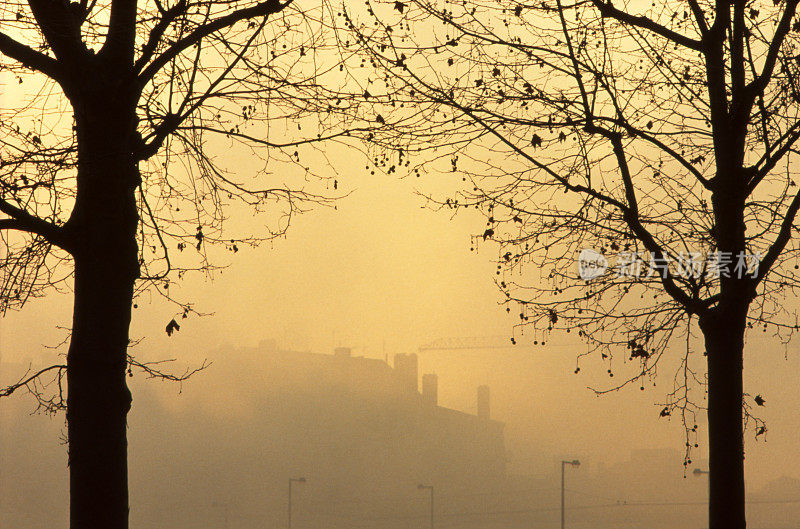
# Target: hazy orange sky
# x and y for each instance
(383, 275)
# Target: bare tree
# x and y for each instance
(115, 177)
(659, 137)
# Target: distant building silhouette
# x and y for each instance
(430, 389)
(406, 369)
(364, 425)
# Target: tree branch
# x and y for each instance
(607, 9)
(157, 32)
(28, 57)
(699, 17)
(60, 26)
(664, 147)
(171, 121)
(24, 221)
(781, 240)
(35, 387)
(791, 135)
(262, 9)
(631, 215)
(121, 35)
(760, 83)
(12, 224)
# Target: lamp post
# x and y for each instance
(429, 487)
(564, 463)
(699, 472)
(293, 480)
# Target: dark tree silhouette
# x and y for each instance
(115, 176)
(659, 136)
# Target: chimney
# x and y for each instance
(405, 367)
(430, 389)
(342, 351)
(483, 403)
(413, 372)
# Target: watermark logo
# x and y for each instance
(591, 264)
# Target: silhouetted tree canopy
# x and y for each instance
(206, 78)
(659, 137)
(129, 133)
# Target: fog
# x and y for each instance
(382, 276)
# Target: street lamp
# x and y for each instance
(699, 472)
(293, 480)
(430, 487)
(574, 463)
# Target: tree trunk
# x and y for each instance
(98, 400)
(102, 230)
(724, 339)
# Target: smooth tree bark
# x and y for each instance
(724, 337)
(102, 235)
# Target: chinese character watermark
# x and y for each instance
(593, 264)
